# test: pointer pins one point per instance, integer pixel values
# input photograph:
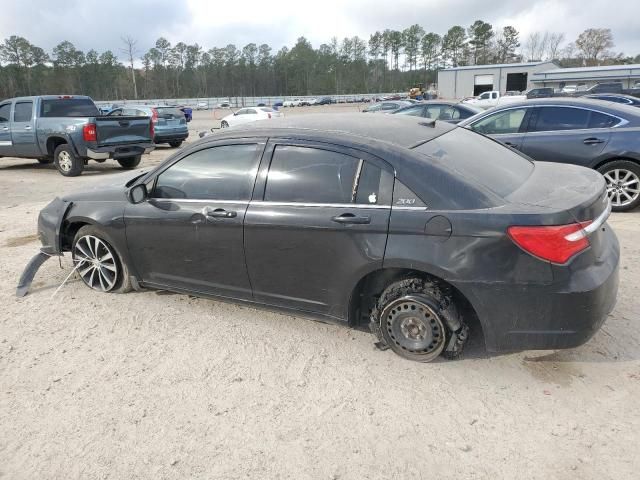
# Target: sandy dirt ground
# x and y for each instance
(150, 385)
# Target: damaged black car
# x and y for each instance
(410, 226)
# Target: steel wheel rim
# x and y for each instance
(623, 186)
(95, 262)
(64, 160)
(414, 327)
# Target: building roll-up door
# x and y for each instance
(482, 83)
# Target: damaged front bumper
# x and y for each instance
(50, 223)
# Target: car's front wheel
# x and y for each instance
(417, 319)
(130, 162)
(623, 184)
(97, 262)
(224, 124)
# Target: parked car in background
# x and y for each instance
(68, 131)
(386, 106)
(277, 104)
(170, 124)
(326, 101)
(493, 98)
(543, 92)
(616, 98)
(452, 112)
(586, 132)
(574, 88)
(304, 215)
(295, 102)
(202, 106)
(248, 115)
(310, 102)
(224, 105)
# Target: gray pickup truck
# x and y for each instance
(69, 130)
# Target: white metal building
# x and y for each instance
(460, 82)
(585, 77)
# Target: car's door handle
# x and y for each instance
(219, 213)
(351, 218)
(5, 128)
(28, 127)
(592, 141)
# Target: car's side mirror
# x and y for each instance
(138, 194)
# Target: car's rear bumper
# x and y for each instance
(542, 317)
(119, 151)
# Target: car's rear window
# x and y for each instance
(479, 159)
(170, 112)
(69, 107)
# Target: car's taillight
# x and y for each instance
(269, 115)
(89, 132)
(154, 115)
(555, 244)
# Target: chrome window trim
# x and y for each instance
(402, 207)
(329, 205)
(198, 200)
(621, 123)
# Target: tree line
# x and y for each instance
(390, 60)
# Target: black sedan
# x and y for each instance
(410, 226)
(591, 133)
(452, 112)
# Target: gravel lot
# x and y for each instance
(155, 385)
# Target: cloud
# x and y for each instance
(100, 24)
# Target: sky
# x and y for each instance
(101, 24)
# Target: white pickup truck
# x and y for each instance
(493, 98)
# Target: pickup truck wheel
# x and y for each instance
(66, 161)
(45, 161)
(130, 162)
(176, 144)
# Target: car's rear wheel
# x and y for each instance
(66, 161)
(224, 124)
(416, 318)
(97, 262)
(176, 144)
(130, 162)
(623, 184)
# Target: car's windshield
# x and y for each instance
(476, 157)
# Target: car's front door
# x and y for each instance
(188, 235)
(567, 134)
(319, 225)
(6, 144)
(506, 126)
(23, 132)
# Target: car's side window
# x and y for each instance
(242, 111)
(507, 121)
(218, 173)
(560, 118)
(5, 111)
(251, 111)
(462, 114)
(448, 113)
(602, 120)
(404, 197)
(23, 112)
(310, 175)
(413, 111)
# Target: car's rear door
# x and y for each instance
(318, 223)
(567, 134)
(6, 144)
(188, 234)
(23, 132)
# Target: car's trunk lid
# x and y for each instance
(579, 191)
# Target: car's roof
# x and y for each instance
(398, 130)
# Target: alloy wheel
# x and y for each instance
(65, 161)
(623, 186)
(96, 263)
